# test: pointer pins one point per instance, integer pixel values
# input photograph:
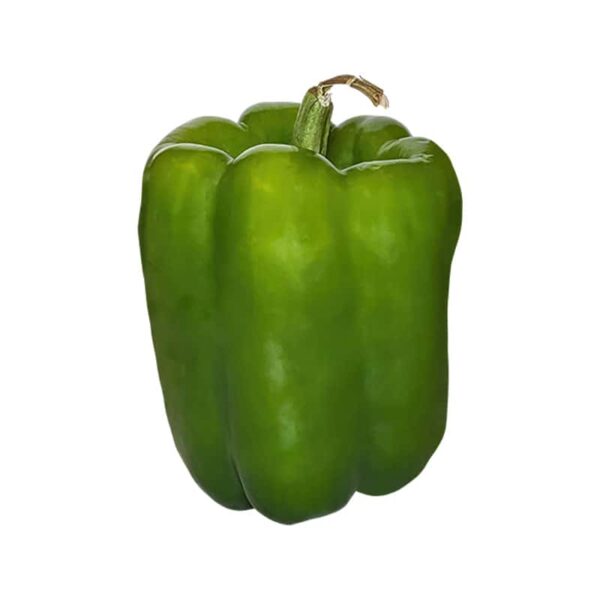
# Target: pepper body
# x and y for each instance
(298, 306)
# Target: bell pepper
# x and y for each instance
(297, 277)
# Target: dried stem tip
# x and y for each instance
(373, 92)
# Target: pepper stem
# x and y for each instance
(311, 130)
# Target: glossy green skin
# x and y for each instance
(298, 306)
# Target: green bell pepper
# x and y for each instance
(297, 280)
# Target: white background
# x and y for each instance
(94, 500)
